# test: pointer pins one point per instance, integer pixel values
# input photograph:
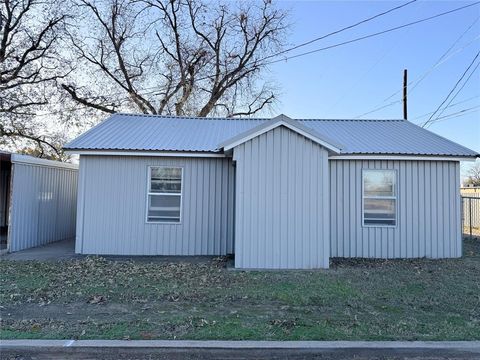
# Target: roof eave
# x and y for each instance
(139, 152)
(412, 157)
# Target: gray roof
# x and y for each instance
(164, 133)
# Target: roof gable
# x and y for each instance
(281, 120)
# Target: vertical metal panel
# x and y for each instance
(4, 190)
(112, 205)
(282, 202)
(43, 205)
(428, 211)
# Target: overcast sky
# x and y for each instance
(351, 80)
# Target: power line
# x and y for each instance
(456, 94)
(458, 114)
(372, 35)
(457, 103)
(415, 83)
(454, 87)
(378, 108)
(340, 30)
(440, 61)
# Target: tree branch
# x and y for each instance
(84, 101)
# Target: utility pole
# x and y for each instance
(405, 117)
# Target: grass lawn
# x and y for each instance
(355, 299)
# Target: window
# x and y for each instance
(379, 198)
(164, 199)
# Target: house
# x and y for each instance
(37, 201)
(276, 193)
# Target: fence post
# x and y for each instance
(470, 216)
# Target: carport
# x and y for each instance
(37, 201)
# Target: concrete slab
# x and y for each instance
(56, 251)
(65, 250)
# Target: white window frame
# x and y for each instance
(394, 197)
(149, 193)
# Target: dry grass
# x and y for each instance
(355, 299)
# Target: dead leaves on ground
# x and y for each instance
(92, 277)
(97, 299)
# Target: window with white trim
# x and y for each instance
(379, 198)
(164, 194)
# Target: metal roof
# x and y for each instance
(31, 160)
(167, 133)
(281, 120)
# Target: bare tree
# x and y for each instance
(29, 33)
(182, 57)
(473, 175)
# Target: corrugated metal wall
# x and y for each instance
(112, 206)
(4, 179)
(281, 217)
(43, 205)
(428, 211)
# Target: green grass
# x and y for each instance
(353, 300)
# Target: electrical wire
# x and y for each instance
(378, 109)
(458, 112)
(340, 30)
(456, 94)
(454, 88)
(457, 103)
(440, 61)
(373, 34)
(456, 115)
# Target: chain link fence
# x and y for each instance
(471, 214)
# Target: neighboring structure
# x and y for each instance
(37, 201)
(276, 193)
(468, 190)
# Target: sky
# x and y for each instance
(353, 79)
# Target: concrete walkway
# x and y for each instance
(65, 250)
(172, 349)
(59, 250)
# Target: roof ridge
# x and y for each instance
(244, 118)
(189, 117)
(382, 120)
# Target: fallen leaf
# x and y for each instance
(97, 299)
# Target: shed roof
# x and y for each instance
(132, 132)
(31, 160)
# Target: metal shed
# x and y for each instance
(276, 193)
(37, 201)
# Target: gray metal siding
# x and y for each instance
(282, 209)
(112, 207)
(4, 179)
(428, 211)
(43, 205)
